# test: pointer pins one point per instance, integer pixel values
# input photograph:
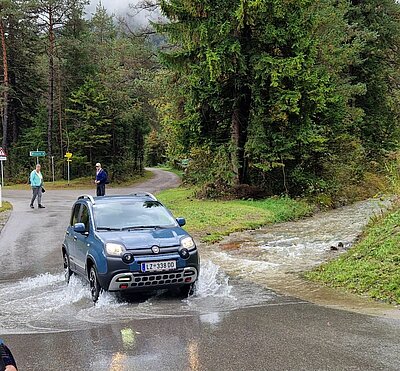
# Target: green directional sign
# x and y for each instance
(37, 153)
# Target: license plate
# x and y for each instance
(159, 266)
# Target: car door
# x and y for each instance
(70, 236)
(81, 243)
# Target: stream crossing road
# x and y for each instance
(230, 323)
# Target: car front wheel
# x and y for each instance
(67, 268)
(95, 288)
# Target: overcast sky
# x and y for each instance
(116, 7)
(113, 6)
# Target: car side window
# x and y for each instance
(75, 214)
(85, 217)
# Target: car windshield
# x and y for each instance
(131, 215)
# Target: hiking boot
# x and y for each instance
(41, 206)
(32, 207)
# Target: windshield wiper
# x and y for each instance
(140, 227)
(108, 229)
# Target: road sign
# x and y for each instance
(68, 155)
(37, 153)
(3, 157)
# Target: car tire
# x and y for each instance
(95, 288)
(67, 268)
(184, 291)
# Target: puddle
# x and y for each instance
(46, 304)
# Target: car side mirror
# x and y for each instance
(181, 221)
(79, 228)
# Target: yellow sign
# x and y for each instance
(68, 155)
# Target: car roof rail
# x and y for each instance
(91, 199)
(148, 194)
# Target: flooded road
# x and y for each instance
(297, 246)
(275, 256)
(241, 316)
(45, 303)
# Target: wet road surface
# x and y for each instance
(240, 317)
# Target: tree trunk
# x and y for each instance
(60, 116)
(4, 116)
(51, 84)
(241, 114)
(239, 125)
(235, 138)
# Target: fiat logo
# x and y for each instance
(155, 249)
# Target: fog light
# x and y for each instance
(124, 279)
(184, 253)
(127, 258)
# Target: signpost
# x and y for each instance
(37, 154)
(68, 155)
(3, 157)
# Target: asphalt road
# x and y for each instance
(228, 326)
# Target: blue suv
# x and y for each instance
(129, 243)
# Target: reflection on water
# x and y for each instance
(193, 354)
(118, 362)
(128, 338)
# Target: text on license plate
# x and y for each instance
(158, 266)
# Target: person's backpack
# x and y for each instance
(107, 181)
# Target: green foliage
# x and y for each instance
(102, 83)
(6, 206)
(378, 23)
(89, 115)
(312, 86)
(155, 149)
(206, 166)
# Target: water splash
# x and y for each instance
(212, 282)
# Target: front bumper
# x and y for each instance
(155, 280)
(122, 276)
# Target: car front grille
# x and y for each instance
(157, 279)
(129, 280)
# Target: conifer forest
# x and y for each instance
(296, 97)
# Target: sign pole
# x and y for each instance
(68, 155)
(2, 174)
(52, 166)
(68, 170)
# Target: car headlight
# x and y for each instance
(114, 249)
(187, 243)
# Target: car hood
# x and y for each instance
(145, 238)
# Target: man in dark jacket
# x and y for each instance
(101, 179)
(7, 361)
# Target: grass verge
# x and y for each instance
(371, 267)
(85, 183)
(5, 206)
(211, 220)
